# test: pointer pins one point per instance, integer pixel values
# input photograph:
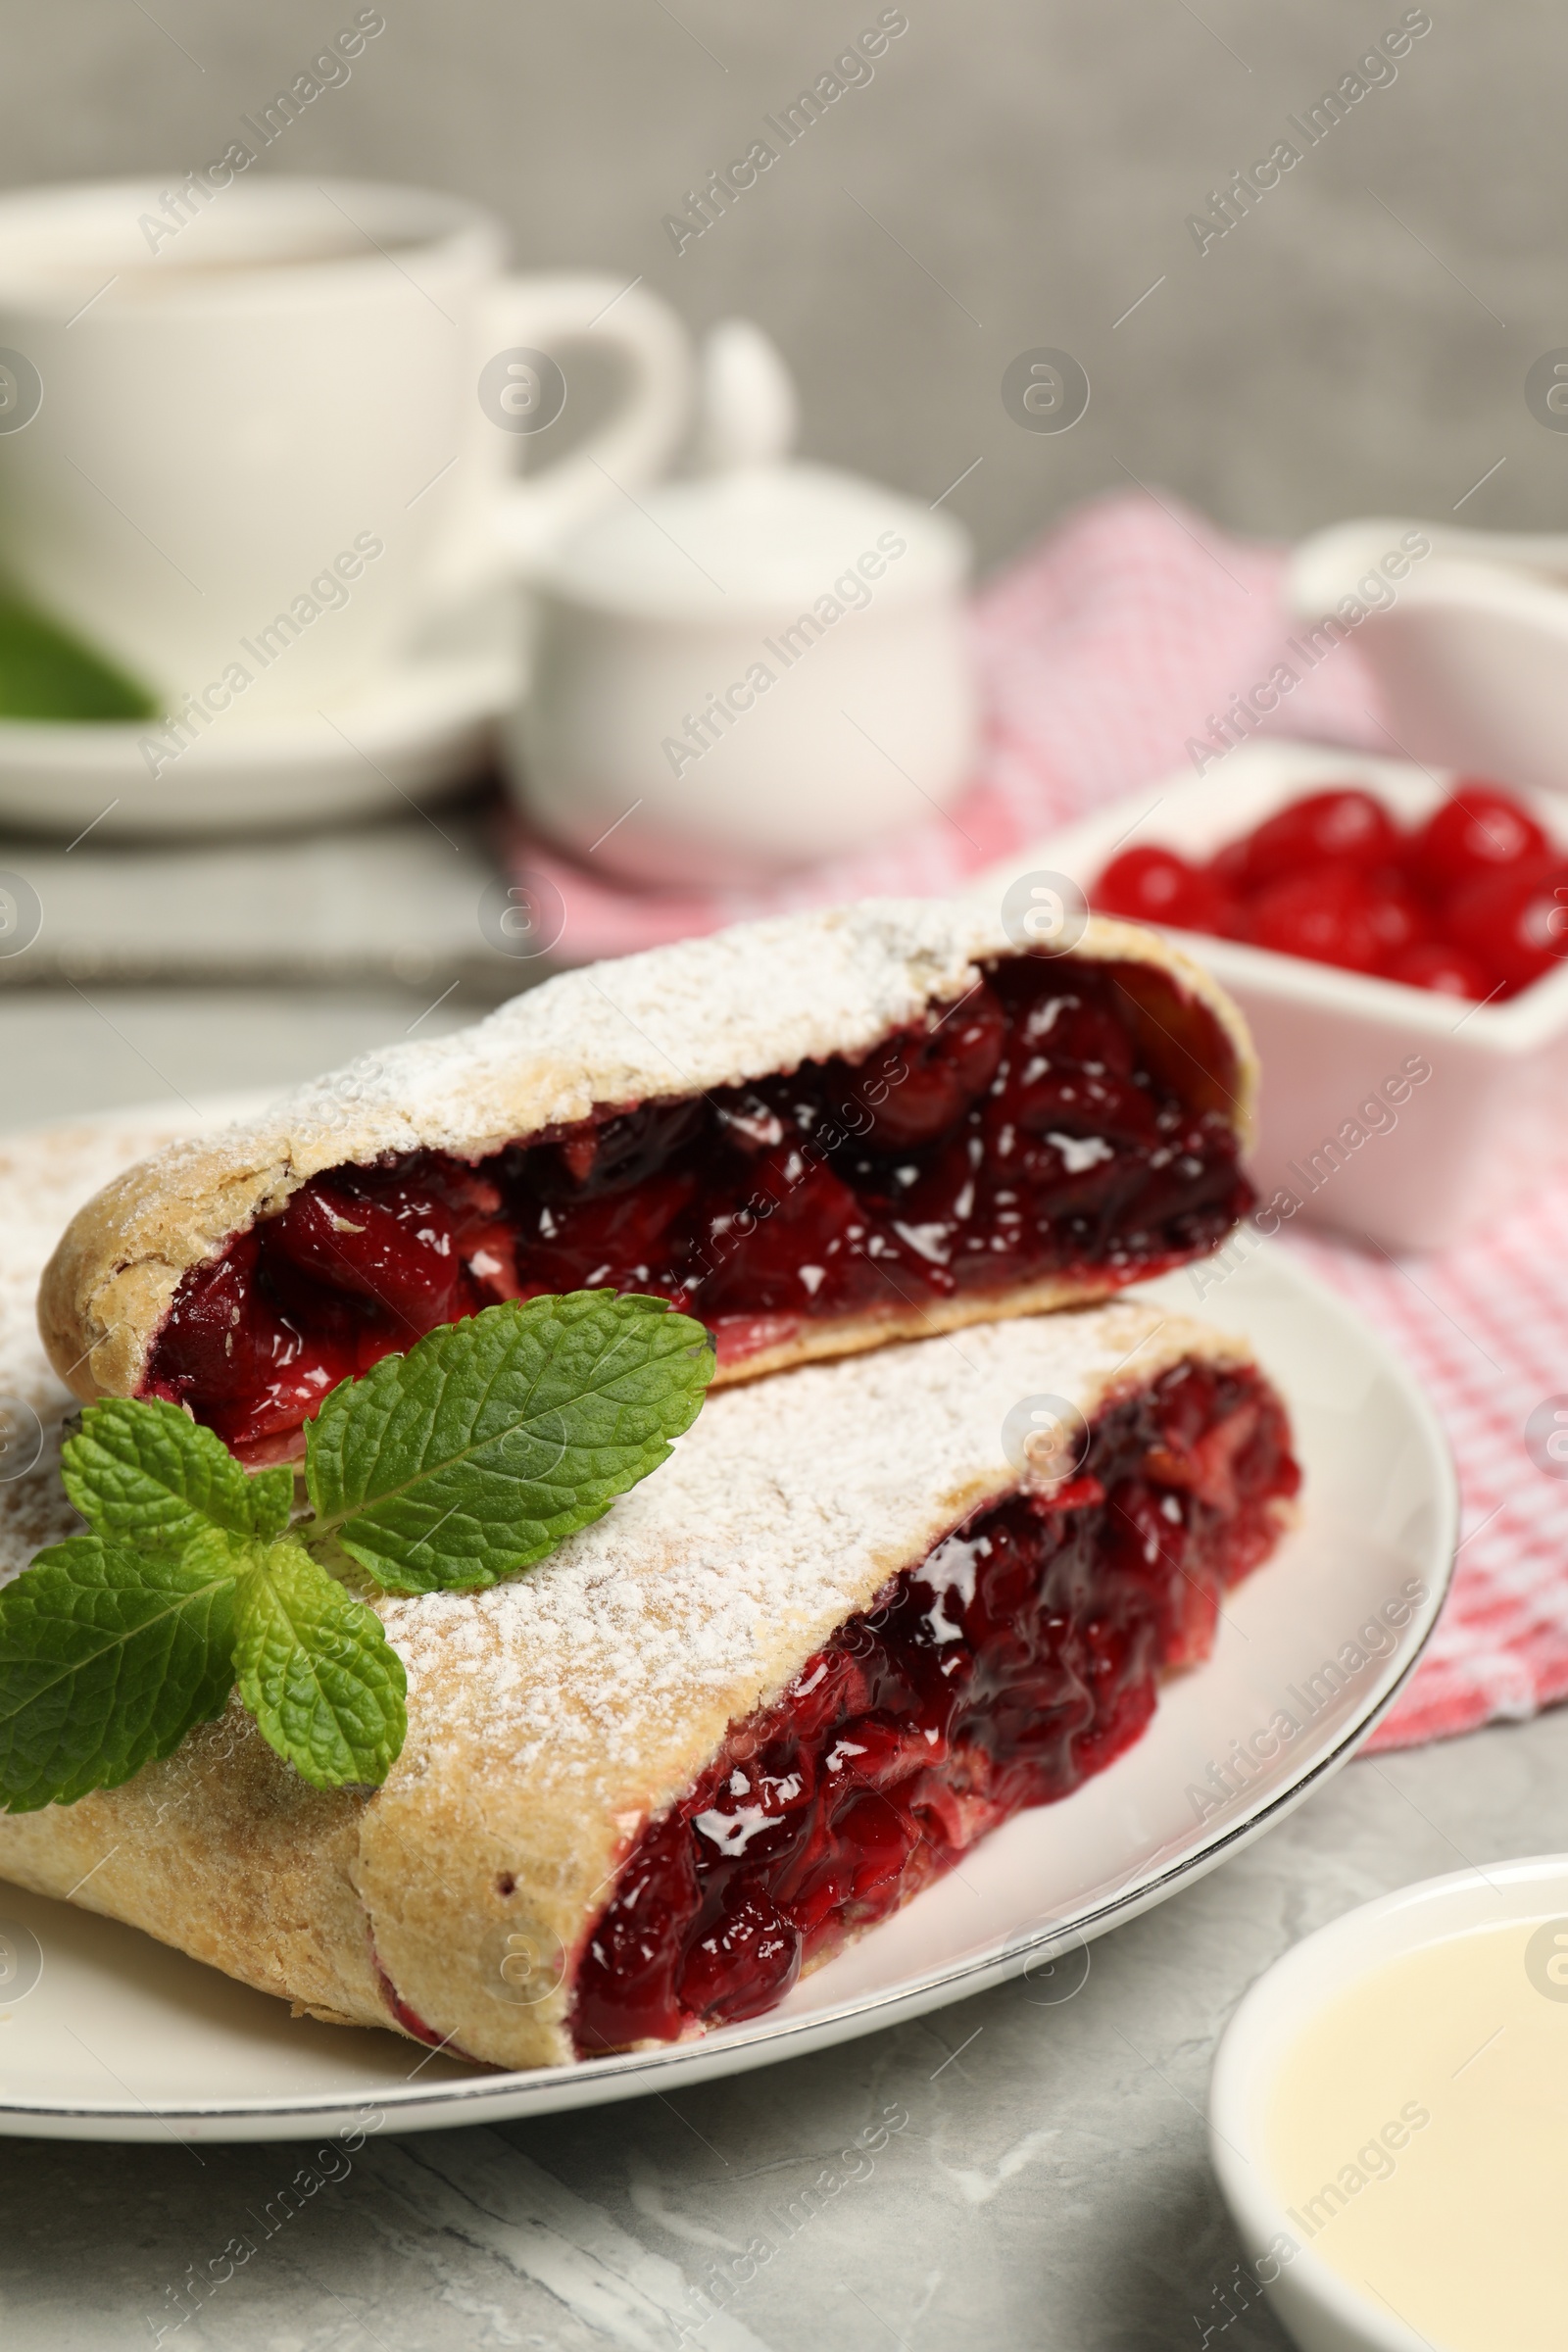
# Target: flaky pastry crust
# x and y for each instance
(675, 1022)
(552, 1717)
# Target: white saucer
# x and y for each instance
(427, 725)
(117, 2038)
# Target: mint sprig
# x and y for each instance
(150, 1474)
(48, 672)
(318, 1673)
(474, 1454)
(466, 1461)
(108, 1657)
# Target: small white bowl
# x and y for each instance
(1459, 1146)
(1317, 2305)
(1470, 648)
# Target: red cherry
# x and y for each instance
(1398, 917)
(1156, 886)
(1515, 921)
(1448, 971)
(1478, 830)
(1342, 827)
(794, 1236)
(1334, 915)
(254, 1372)
(921, 1085)
(621, 1239)
(399, 1251)
(1229, 865)
(747, 1959)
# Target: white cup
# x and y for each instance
(274, 430)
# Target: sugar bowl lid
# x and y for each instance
(754, 530)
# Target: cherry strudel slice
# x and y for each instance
(782, 1686)
(813, 1134)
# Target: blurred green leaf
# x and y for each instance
(48, 672)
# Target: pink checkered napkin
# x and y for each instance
(1102, 652)
(1485, 1329)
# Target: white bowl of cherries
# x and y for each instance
(1398, 939)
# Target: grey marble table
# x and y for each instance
(93, 1047)
(1043, 2182)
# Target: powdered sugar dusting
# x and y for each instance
(784, 1509)
(676, 1021)
(44, 1179)
(552, 1715)
(705, 1013)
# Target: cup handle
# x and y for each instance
(635, 443)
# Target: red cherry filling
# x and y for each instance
(400, 1253)
(1020, 1133)
(1017, 1660)
(1472, 904)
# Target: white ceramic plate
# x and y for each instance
(429, 723)
(120, 2039)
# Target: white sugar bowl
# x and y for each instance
(747, 670)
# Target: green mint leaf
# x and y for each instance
(474, 1454)
(148, 1474)
(318, 1672)
(108, 1657)
(271, 1499)
(47, 671)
